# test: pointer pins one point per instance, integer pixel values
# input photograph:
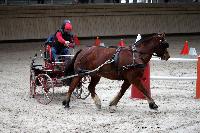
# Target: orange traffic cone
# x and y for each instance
(121, 43)
(97, 41)
(185, 49)
(76, 40)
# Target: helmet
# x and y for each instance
(68, 26)
(64, 22)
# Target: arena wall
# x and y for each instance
(90, 20)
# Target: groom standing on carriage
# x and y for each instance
(63, 40)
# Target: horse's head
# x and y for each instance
(161, 47)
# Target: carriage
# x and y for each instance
(123, 63)
(47, 76)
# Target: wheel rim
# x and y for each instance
(32, 84)
(44, 91)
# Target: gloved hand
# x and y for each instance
(71, 45)
(67, 43)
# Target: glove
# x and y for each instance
(71, 45)
(67, 43)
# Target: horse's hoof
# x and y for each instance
(98, 106)
(64, 102)
(66, 106)
(153, 106)
(112, 109)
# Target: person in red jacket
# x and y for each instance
(64, 39)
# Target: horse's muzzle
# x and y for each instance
(166, 56)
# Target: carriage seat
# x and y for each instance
(59, 65)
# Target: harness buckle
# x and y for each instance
(134, 48)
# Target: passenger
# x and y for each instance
(64, 39)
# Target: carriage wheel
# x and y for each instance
(82, 92)
(32, 84)
(44, 90)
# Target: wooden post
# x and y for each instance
(135, 93)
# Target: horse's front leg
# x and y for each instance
(74, 83)
(113, 103)
(141, 88)
(94, 81)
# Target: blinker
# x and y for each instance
(165, 45)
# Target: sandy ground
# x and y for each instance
(178, 110)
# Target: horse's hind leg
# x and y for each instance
(141, 87)
(73, 85)
(94, 81)
(119, 95)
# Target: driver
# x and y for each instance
(64, 39)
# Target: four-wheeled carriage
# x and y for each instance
(44, 78)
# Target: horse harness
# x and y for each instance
(134, 64)
(114, 60)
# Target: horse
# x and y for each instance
(121, 63)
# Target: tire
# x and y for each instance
(32, 84)
(44, 90)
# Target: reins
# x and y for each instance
(89, 72)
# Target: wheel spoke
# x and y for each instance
(45, 89)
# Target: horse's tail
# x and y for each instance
(71, 67)
(69, 70)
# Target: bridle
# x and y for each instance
(163, 45)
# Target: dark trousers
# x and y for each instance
(55, 52)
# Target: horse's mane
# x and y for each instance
(145, 38)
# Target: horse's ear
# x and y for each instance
(159, 34)
(163, 34)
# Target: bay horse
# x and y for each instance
(122, 63)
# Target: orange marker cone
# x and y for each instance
(97, 41)
(121, 43)
(185, 49)
(198, 79)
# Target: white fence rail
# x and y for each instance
(170, 77)
(176, 59)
